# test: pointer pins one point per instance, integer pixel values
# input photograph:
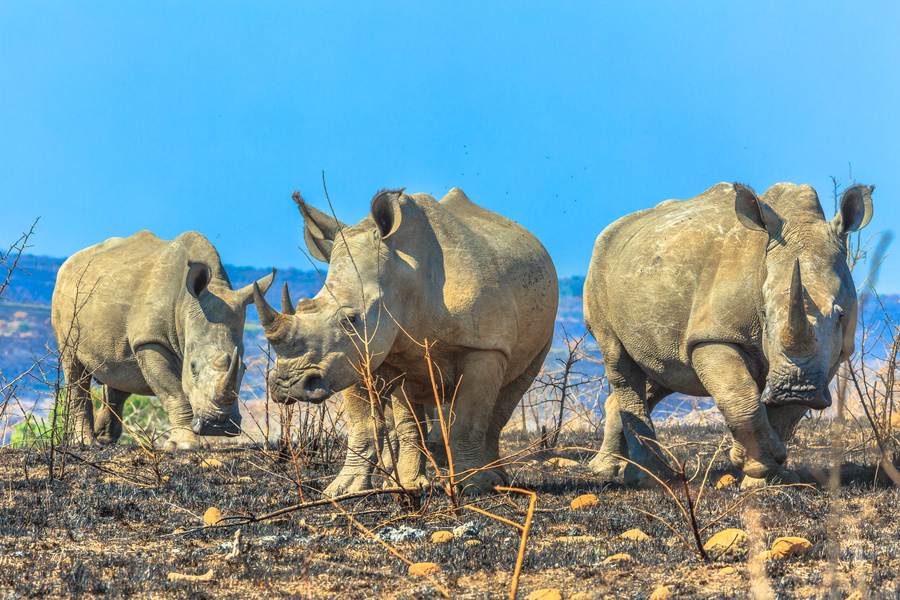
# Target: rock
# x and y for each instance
(404, 533)
(724, 572)
(212, 516)
(574, 539)
(585, 502)
(179, 530)
(561, 463)
(211, 463)
(857, 595)
(726, 481)
(441, 537)
(661, 593)
(546, 594)
(423, 569)
(728, 545)
(581, 596)
(208, 576)
(472, 543)
(785, 547)
(465, 531)
(621, 558)
(635, 535)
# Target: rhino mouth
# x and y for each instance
(816, 397)
(310, 386)
(205, 427)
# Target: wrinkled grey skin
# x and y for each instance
(477, 286)
(148, 316)
(745, 299)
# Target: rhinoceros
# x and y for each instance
(743, 298)
(479, 288)
(143, 315)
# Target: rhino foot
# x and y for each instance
(606, 466)
(782, 477)
(349, 484)
(181, 440)
(482, 482)
(636, 477)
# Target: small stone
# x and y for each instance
(472, 543)
(726, 571)
(620, 558)
(726, 481)
(561, 463)
(212, 516)
(635, 535)
(244, 479)
(423, 569)
(785, 547)
(585, 502)
(545, 594)
(441, 537)
(661, 593)
(727, 545)
(857, 595)
(208, 576)
(179, 530)
(467, 530)
(403, 533)
(211, 463)
(581, 596)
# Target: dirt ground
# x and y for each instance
(117, 532)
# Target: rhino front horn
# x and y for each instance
(230, 380)
(798, 336)
(274, 323)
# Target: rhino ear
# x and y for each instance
(320, 229)
(197, 279)
(386, 211)
(752, 212)
(856, 209)
(245, 294)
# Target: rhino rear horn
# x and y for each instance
(798, 336)
(320, 229)
(246, 293)
(287, 307)
(274, 323)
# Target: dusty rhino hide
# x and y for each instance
(142, 315)
(743, 298)
(479, 288)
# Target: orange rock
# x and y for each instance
(730, 544)
(726, 481)
(620, 558)
(424, 568)
(546, 594)
(785, 547)
(441, 537)
(726, 571)
(661, 593)
(635, 535)
(585, 502)
(212, 516)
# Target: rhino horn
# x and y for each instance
(229, 381)
(287, 307)
(798, 336)
(274, 323)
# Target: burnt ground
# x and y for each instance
(89, 532)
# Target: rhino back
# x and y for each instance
(499, 288)
(121, 293)
(670, 277)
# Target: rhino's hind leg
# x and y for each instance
(607, 464)
(79, 401)
(362, 444)
(108, 420)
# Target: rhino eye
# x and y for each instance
(194, 370)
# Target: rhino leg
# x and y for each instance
(606, 463)
(436, 446)
(481, 377)
(409, 422)
(507, 401)
(160, 371)
(108, 420)
(362, 444)
(784, 420)
(724, 370)
(79, 401)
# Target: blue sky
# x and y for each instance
(170, 116)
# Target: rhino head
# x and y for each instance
(324, 343)
(212, 327)
(807, 309)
